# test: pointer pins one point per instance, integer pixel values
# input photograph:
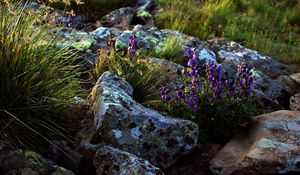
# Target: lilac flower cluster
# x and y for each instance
(214, 79)
(131, 51)
(71, 21)
(190, 91)
(192, 87)
(245, 79)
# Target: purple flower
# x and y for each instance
(71, 21)
(165, 94)
(131, 51)
(245, 79)
(215, 81)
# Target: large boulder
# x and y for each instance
(112, 161)
(121, 122)
(27, 163)
(271, 145)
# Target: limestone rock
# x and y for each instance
(102, 33)
(125, 124)
(270, 146)
(229, 51)
(112, 161)
(295, 102)
(296, 77)
(120, 18)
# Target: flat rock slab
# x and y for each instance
(121, 122)
(112, 161)
(270, 146)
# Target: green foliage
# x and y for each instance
(172, 50)
(144, 79)
(37, 79)
(267, 26)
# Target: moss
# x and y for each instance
(144, 14)
(84, 44)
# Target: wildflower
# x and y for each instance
(165, 94)
(131, 51)
(246, 79)
(215, 81)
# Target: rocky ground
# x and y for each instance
(121, 136)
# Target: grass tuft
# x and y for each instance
(37, 79)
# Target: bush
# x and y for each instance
(221, 107)
(37, 79)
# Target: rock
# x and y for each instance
(229, 51)
(145, 4)
(112, 161)
(64, 154)
(81, 41)
(121, 122)
(196, 162)
(271, 145)
(296, 77)
(274, 93)
(166, 65)
(120, 18)
(27, 162)
(147, 42)
(102, 33)
(273, 86)
(295, 102)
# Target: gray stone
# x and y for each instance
(102, 33)
(125, 124)
(271, 145)
(295, 102)
(229, 51)
(296, 77)
(112, 161)
(120, 18)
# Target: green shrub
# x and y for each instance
(37, 79)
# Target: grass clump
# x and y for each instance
(172, 50)
(267, 26)
(37, 79)
(144, 79)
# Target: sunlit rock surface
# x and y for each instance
(270, 146)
